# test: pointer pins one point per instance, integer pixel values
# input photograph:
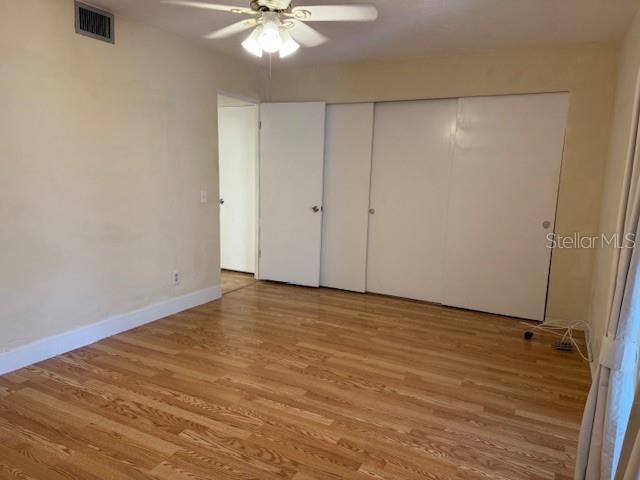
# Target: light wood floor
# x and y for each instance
(231, 281)
(281, 382)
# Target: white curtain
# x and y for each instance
(612, 393)
(630, 463)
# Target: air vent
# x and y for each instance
(94, 23)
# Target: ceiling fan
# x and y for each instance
(280, 27)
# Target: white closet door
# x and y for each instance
(291, 168)
(238, 128)
(409, 192)
(347, 172)
(507, 158)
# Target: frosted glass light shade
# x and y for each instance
(252, 44)
(270, 40)
(289, 45)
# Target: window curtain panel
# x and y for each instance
(611, 398)
(629, 468)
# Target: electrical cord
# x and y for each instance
(565, 330)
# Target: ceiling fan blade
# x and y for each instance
(305, 35)
(336, 13)
(210, 6)
(232, 29)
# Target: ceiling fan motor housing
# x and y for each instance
(276, 5)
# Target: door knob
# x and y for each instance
(372, 211)
(315, 209)
(546, 224)
(222, 201)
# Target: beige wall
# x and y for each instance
(587, 72)
(621, 140)
(103, 152)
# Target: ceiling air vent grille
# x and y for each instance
(94, 23)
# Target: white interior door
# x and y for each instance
(506, 168)
(347, 172)
(409, 193)
(291, 171)
(238, 138)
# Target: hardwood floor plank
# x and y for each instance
(280, 382)
(232, 281)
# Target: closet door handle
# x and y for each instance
(315, 209)
(372, 211)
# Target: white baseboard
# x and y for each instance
(80, 337)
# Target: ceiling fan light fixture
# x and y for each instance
(278, 25)
(289, 45)
(252, 43)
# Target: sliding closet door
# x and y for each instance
(291, 169)
(506, 168)
(409, 195)
(347, 172)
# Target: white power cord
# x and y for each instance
(565, 330)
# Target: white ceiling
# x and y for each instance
(410, 28)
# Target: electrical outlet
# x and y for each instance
(204, 196)
(175, 278)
